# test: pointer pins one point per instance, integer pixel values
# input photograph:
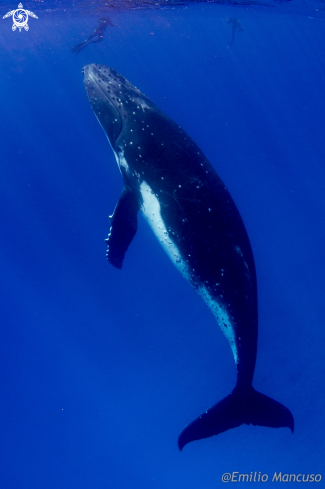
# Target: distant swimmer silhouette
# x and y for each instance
(96, 36)
(235, 25)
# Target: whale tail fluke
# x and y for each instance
(231, 412)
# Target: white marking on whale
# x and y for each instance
(151, 211)
(223, 319)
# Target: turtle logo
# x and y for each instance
(20, 18)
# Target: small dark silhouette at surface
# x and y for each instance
(235, 25)
(96, 36)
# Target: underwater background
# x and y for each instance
(101, 368)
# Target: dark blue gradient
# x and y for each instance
(101, 368)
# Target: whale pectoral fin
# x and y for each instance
(124, 225)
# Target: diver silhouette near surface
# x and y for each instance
(96, 36)
(235, 25)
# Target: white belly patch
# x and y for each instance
(151, 210)
(223, 319)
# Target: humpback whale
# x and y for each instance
(168, 178)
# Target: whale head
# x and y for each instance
(118, 105)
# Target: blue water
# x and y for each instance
(101, 368)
